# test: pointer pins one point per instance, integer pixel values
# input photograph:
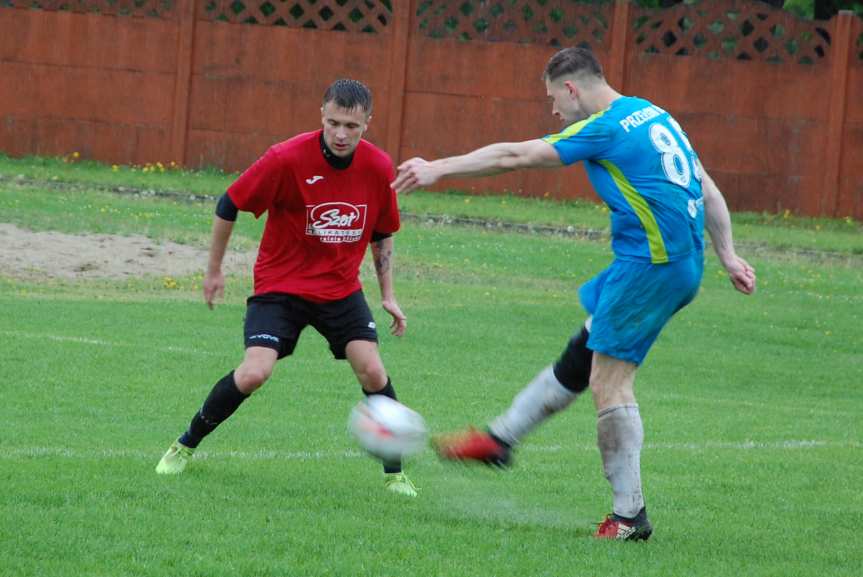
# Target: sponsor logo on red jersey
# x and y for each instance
(336, 221)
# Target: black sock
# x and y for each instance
(220, 404)
(639, 518)
(388, 391)
(499, 441)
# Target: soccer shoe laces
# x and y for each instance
(400, 483)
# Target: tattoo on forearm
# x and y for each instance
(383, 257)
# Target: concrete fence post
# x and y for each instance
(616, 73)
(840, 62)
(399, 47)
(183, 80)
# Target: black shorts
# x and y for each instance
(275, 321)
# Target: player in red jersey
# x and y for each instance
(327, 197)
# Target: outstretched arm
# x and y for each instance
(718, 223)
(485, 161)
(214, 279)
(382, 252)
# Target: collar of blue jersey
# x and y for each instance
(337, 162)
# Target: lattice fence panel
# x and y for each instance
(370, 16)
(151, 8)
(739, 29)
(554, 22)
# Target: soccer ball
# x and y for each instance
(387, 429)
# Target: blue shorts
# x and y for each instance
(632, 300)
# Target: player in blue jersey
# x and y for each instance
(644, 168)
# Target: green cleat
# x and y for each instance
(175, 459)
(400, 484)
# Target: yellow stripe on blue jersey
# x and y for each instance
(642, 165)
(573, 129)
(658, 253)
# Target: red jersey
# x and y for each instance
(320, 219)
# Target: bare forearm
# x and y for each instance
(717, 220)
(499, 157)
(219, 243)
(488, 160)
(485, 161)
(382, 254)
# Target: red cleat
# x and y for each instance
(472, 445)
(622, 529)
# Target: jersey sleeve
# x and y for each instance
(388, 218)
(260, 186)
(583, 140)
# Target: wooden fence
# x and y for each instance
(773, 104)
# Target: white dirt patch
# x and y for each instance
(27, 254)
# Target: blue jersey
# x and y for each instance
(642, 165)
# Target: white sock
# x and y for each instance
(620, 437)
(540, 399)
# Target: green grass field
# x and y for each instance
(751, 405)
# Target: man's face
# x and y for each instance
(343, 128)
(565, 101)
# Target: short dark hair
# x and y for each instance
(349, 94)
(576, 61)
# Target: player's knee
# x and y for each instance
(612, 382)
(372, 376)
(607, 393)
(256, 368)
(573, 367)
(374, 380)
(600, 393)
(250, 376)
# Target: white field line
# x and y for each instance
(717, 445)
(833, 412)
(104, 343)
(757, 405)
(68, 453)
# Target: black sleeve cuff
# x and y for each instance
(378, 236)
(226, 208)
